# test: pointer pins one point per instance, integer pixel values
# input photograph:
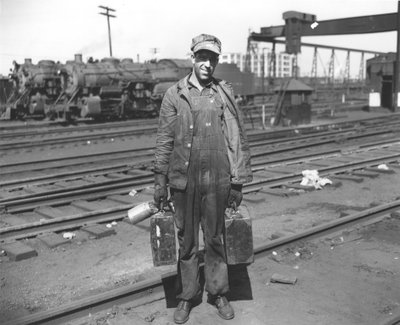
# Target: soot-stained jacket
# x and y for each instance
(175, 134)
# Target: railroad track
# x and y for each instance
(119, 179)
(82, 205)
(27, 130)
(44, 139)
(154, 289)
(47, 137)
(62, 166)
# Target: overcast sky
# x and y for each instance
(58, 29)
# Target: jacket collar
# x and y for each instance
(183, 90)
(184, 84)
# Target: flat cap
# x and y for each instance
(206, 42)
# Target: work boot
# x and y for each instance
(225, 309)
(181, 314)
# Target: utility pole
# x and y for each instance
(154, 51)
(107, 13)
(396, 69)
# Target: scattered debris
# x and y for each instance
(152, 316)
(383, 167)
(68, 235)
(280, 278)
(311, 178)
(133, 192)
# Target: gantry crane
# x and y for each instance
(299, 24)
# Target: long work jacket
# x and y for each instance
(175, 134)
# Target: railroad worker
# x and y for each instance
(202, 154)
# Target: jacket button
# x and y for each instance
(190, 126)
(186, 163)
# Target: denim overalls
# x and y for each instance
(204, 200)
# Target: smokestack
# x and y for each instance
(78, 58)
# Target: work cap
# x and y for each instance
(206, 42)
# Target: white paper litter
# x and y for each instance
(68, 235)
(311, 178)
(383, 167)
(133, 192)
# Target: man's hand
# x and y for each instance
(160, 189)
(235, 195)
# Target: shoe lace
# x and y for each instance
(220, 301)
(181, 304)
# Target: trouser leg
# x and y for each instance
(215, 267)
(187, 223)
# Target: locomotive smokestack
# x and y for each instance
(78, 58)
(28, 61)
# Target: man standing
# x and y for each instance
(203, 156)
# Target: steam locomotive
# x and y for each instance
(105, 89)
(102, 90)
(33, 87)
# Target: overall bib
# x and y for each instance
(203, 202)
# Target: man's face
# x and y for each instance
(204, 63)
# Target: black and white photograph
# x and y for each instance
(200, 162)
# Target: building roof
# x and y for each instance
(295, 85)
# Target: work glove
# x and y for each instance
(160, 190)
(235, 196)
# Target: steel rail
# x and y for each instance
(77, 192)
(71, 160)
(87, 127)
(127, 153)
(18, 144)
(154, 289)
(78, 173)
(51, 141)
(276, 135)
(110, 214)
(146, 179)
(348, 135)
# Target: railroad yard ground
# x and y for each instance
(347, 278)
